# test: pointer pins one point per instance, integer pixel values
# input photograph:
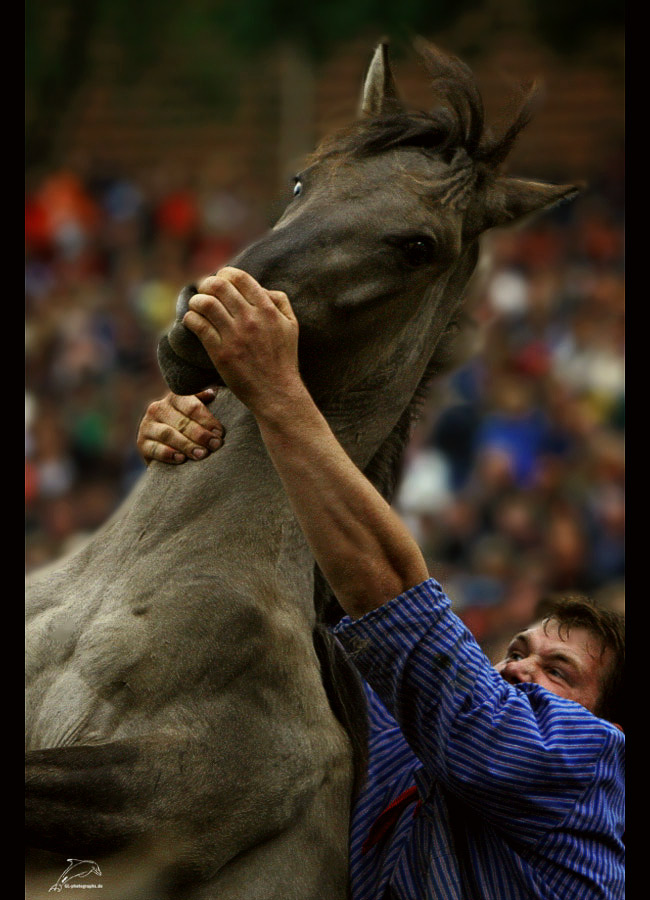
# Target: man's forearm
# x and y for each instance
(362, 547)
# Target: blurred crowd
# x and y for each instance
(105, 258)
(514, 484)
(514, 481)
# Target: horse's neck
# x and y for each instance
(236, 490)
(367, 416)
(372, 411)
(236, 501)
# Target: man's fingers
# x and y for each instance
(205, 320)
(193, 411)
(223, 296)
(234, 289)
(183, 424)
(282, 302)
(207, 396)
(177, 428)
(234, 286)
(151, 449)
(194, 444)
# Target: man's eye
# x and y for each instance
(514, 655)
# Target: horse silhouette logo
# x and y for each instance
(78, 868)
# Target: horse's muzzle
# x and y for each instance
(183, 361)
(184, 342)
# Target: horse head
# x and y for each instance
(380, 236)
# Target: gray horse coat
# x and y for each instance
(181, 718)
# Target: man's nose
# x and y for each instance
(517, 671)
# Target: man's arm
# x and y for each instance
(363, 548)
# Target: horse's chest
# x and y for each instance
(76, 668)
(109, 666)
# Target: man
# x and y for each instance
(484, 782)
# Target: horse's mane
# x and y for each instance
(383, 471)
(457, 121)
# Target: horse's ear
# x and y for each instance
(508, 200)
(379, 94)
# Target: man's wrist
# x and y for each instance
(277, 410)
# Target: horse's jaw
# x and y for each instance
(183, 377)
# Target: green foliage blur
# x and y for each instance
(211, 37)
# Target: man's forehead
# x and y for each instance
(576, 636)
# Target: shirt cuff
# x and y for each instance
(375, 640)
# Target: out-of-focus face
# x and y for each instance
(570, 663)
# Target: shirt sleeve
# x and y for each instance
(513, 753)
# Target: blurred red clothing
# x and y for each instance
(38, 231)
(65, 199)
(177, 214)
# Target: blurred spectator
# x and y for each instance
(531, 438)
(70, 217)
(106, 253)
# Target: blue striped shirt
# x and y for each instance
(522, 792)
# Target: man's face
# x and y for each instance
(570, 664)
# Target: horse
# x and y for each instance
(192, 725)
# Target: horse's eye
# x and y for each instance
(297, 187)
(418, 251)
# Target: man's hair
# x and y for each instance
(609, 628)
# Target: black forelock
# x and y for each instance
(438, 133)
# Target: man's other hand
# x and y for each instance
(177, 428)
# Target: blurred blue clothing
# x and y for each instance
(499, 792)
(522, 438)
